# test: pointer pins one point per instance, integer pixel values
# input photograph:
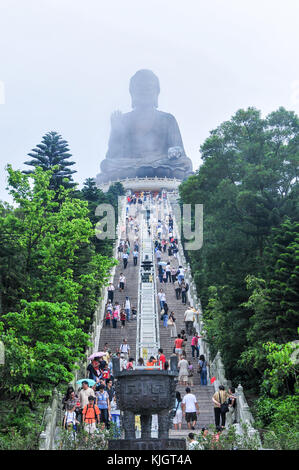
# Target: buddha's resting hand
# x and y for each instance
(175, 152)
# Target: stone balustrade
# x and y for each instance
(47, 437)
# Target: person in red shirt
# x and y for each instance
(178, 344)
(130, 364)
(123, 317)
(162, 358)
(105, 373)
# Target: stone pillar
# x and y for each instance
(164, 421)
(129, 424)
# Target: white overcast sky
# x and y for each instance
(65, 66)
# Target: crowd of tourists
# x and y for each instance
(95, 402)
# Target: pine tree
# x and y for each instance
(53, 151)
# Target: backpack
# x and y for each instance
(95, 416)
(223, 406)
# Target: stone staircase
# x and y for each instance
(114, 337)
(202, 393)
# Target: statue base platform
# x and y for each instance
(143, 184)
(147, 444)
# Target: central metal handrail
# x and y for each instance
(148, 337)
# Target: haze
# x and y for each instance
(65, 66)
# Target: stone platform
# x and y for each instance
(143, 184)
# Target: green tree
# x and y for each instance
(45, 331)
(248, 184)
(53, 154)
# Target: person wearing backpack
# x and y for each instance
(90, 414)
(202, 369)
(125, 348)
(70, 419)
(220, 406)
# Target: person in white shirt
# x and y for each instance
(190, 408)
(128, 308)
(125, 259)
(189, 319)
(124, 349)
(110, 292)
(84, 393)
(135, 257)
(158, 256)
(122, 281)
(115, 415)
(123, 362)
(192, 443)
(162, 298)
(181, 274)
(70, 420)
(168, 272)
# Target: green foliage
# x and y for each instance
(81, 440)
(20, 426)
(55, 277)
(230, 439)
(278, 417)
(247, 270)
(42, 342)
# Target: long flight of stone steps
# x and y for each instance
(114, 337)
(202, 393)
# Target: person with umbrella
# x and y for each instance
(94, 369)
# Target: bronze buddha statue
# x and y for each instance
(145, 141)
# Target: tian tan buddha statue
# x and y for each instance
(145, 141)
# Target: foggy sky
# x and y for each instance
(65, 66)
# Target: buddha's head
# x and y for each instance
(144, 89)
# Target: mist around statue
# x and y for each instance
(144, 142)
